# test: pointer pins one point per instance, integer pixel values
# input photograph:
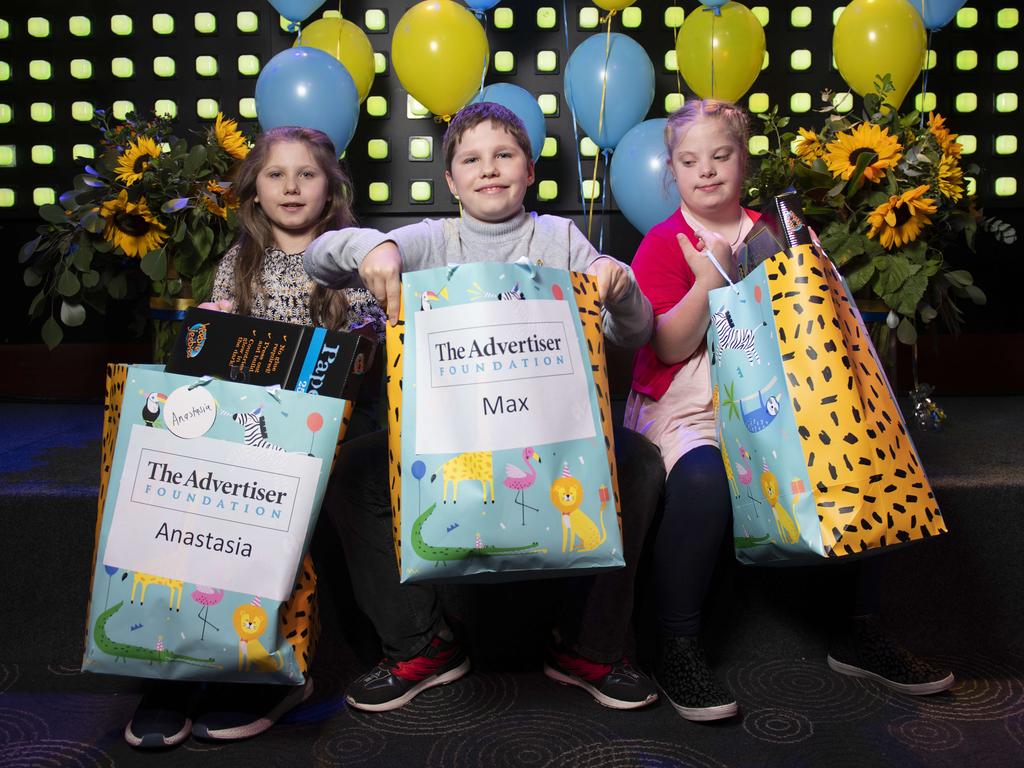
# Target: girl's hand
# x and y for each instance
(223, 305)
(704, 271)
(381, 273)
(612, 281)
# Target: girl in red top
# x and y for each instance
(671, 405)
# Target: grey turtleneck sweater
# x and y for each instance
(551, 241)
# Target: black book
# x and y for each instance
(782, 226)
(267, 352)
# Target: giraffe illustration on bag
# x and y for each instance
(145, 579)
(477, 465)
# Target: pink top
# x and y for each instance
(665, 278)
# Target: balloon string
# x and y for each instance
(575, 127)
(675, 47)
(924, 79)
(483, 75)
(604, 201)
(713, 17)
(600, 118)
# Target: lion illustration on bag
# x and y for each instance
(250, 620)
(567, 496)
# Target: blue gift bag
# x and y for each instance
(209, 496)
(502, 462)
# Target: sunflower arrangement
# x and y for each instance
(888, 195)
(145, 223)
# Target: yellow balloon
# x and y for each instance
(878, 37)
(348, 44)
(440, 54)
(720, 57)
(613, 5)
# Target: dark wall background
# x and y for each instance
(996, 267)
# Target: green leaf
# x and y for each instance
(53, 214)
(195, 160)
(51, 333)
(864, 159)
(32, 278)
(90, 278)
(959, 277)
(118, 286)
(906, 332)
(93, 222)
(72, 314)
(103, 246)
(28, 249)
(83, 255)
(36, 303)
(859, 277)
(202, 239)
(910, 294)
(928, 313)
(154, 264)
(202, 284)
(68, 284)
(975, 294)
(835, 190)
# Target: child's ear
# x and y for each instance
(530, 176)
(451, 183)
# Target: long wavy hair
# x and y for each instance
(326, 307)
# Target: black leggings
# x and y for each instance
(697, 515)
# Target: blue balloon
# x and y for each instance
(309, 88)
(937, 13)
(522, 103)
(418, 469)
(715, 5)
(630, 87)
(296, 10)
(479, 6)
(639, 177)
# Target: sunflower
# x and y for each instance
(947, 141)
(230, 138)
(219, 199)
(131, 226)
(841, 155)
(899, 221)
(808, 147)
(132, 164)
(950, 178)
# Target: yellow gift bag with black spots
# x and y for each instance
(499, 424)
(816, 451)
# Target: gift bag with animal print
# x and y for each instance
(209, 494)
(500, 439)
(816, 451)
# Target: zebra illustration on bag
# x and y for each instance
(476, 292)
(254, 429)
(731, 337)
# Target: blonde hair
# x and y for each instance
(734, 118)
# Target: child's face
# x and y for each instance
(708, 168)
(292, 190)
(490, 173)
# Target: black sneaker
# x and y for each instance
(233, 711)
(618, 685)
(393, 684)
(866, 650)
(162, 718)
(689, 684)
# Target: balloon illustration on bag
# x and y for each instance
(418, 470)
(879, 37)
(521, 103)
(720, 51)
(937, 13)
(626, 83)
(348, 44)
(639, 176)
(440, 53)
(309, 88)
(315, 423)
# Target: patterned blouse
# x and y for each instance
(286, 291)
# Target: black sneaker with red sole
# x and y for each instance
(618, 685)
(393, 684)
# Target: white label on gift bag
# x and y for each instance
(210, 511)
(498, 375)
(190, 413)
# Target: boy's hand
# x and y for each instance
(612, 280)
(704, 271)
(222, 305)
(381, 272)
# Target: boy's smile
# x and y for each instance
(490, 173)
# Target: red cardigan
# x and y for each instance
(664, 277)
